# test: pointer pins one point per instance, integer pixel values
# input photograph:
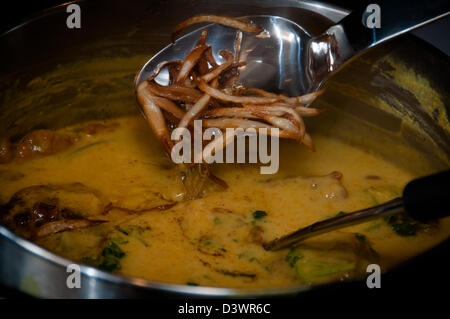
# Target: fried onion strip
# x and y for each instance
(168, 106)
(216, 71)
(217, 144)
(210, 57)
(239, 112)
(284, 124)
(175, 92)
(307, 140)
(203, 37)
(308, 111)
(246, 26)
(198, 107)
(237, 45)
(223, 123)
(161, 66)
(293, 116)
(189, 63)
(154, 116)
(303, 99)
(285, 100)
(235, 99)
(194, 111)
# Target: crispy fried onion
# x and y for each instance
(240, 24)
(202, 89)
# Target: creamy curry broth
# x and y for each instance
(215, 240)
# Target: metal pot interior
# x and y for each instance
(52, 77)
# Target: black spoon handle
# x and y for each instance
(423, 199)
(428, 197)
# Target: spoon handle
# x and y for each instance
(423, 199)
(396, 17)
(390, 208)
(428, 197)
(351, 36)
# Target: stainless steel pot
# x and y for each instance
(369, 95)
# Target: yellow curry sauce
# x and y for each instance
(116, 172)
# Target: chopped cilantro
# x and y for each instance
(134, 231)
(112, 254)
(362, 238)
(109, 259)
(242, 255)
(258, 214)
(121, 230)
(119, 241)
(404, 226)
(293, 256)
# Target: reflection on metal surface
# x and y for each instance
(270, 59)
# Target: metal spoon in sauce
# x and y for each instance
(285, 58)
(423, 199)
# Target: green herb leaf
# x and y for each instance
(135, 232)
(362, 238)
(258, 214)
(119, 241)
(121, 230)
(109, 259)
(112, 254)
(294, 255)
(112, 250)
(207, 243)
(91, 261)
(404, 226)
(404, 229)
